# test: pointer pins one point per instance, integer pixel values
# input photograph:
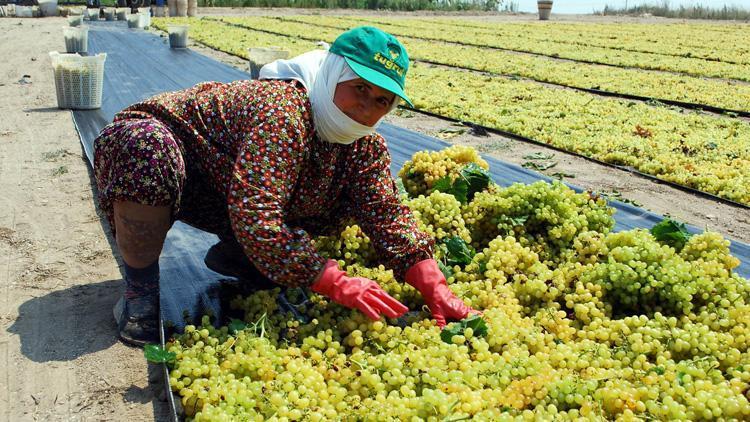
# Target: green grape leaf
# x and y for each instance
(541, 166)
(460, 190)
(473, 179)
(447, 271)
(477, 324)
(659, 370)
(680, 375)
(451, 330)
(477, 179)
(459, 252)
(442, 185)
(539, 156)
(236, 325)
(482, 267)
(672, 233)
(560, 175)
(156, 354)
(518, 221)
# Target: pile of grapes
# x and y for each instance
(578, 321)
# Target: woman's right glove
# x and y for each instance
(426, 277)
(357, 292)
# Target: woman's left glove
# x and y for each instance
(426, 277)
(357, 293)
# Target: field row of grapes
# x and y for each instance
(709, 42)
(524, 41)
(577, 321)
(651, 84)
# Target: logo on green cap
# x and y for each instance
(375, 56)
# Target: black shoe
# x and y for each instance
(138, 320)
(228, 258)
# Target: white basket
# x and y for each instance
(24, 12)
(146, 16)
(78, 80)
(181, 6)
(93, 14)
(136, 21)
(110, 14)
(122, 14)
(178, 36)
(261, 56)
(48, 7)
(192, 8)
(75, 20)
(76, 39)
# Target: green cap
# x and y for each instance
(376, 56)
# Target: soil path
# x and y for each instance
(58, 277)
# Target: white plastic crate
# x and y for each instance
(24, 11)
(75, 20)
(78, 80)
(122, 14)
(181, 7)
(178, 36)
(48, 7)
(261, 56)
(137, 21)
(76, 39)
(146, 19)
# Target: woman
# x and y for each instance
(262, 164)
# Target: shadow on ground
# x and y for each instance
(66, 324)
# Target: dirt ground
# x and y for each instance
(59, 276)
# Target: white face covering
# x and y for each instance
(330, 122)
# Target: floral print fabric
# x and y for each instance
(251, 154)
(138, 160)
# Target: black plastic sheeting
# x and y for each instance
(140, 64)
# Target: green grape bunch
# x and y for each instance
(545, 217)
(439, 215)
(351, 246)
(420, 174)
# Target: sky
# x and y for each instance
(583, 6)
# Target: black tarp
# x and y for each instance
(140, 64)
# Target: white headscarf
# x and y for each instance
(331, 123)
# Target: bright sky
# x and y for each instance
(583, 6)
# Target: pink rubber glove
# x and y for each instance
(357, 292)
(426, 277)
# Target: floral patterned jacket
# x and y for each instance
(255, 143)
